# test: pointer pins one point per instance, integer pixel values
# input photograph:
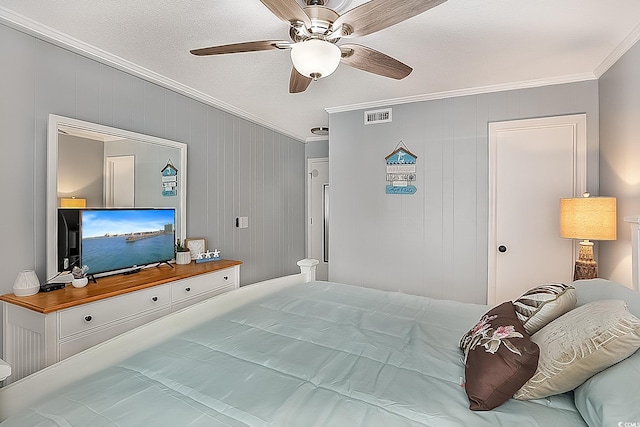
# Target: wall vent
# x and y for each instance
(377, 116)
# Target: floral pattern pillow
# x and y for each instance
(499, 358)
(484, 335)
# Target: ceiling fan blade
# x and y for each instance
(298, 83)
(376, 15)
(372, 61)
(287, 10)
(242, 47)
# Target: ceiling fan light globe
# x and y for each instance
(315, 58)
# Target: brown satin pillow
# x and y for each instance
(499, 358)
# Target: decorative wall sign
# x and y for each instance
(401, 170)
(169, 180)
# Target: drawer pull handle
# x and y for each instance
(154, 299)
(88, 318)
(187, 289)
(226, 277)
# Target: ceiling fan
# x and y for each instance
(316, 29)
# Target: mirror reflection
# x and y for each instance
(95, 166)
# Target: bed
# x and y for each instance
(298, 352)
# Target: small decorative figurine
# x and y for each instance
(208, 256)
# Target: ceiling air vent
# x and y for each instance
(377, 116)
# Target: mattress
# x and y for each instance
(316, 354)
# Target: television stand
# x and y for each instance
(165, 262)
(66, 321)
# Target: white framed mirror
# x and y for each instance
(101, 166)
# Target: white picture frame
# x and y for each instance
(196, 246)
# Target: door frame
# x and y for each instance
(579, 124)
(109, 186)
(310, 162)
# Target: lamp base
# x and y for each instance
(586, 267)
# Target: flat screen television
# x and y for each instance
(121, 240)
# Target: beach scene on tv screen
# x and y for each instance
(119, 239)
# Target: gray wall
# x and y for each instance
(317, 149)
(149, 160)
(432, 243)
(235, 167)
(80, 166)
(619, 91)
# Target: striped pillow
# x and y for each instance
(542, 304)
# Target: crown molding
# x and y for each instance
(316, 138)
(618, 52)
(65, 41)
(464, 92)
(55, 37)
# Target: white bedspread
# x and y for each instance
(318, 354)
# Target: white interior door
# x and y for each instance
(532, 164)
(120, 182)
(318, 215)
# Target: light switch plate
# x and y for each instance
(242, 222)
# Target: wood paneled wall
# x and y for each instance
(434, 242)
(235, 167)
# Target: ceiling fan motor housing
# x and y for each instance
(322, 19)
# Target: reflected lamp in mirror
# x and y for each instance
(26, 284)
(73, 202)
(587, 218)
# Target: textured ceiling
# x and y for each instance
(457, 47)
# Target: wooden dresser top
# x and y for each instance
(110, 286)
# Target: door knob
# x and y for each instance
(502, 249)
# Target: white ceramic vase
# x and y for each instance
(183, 257)
(26, 284)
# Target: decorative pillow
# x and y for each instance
(540, 305)
(499, 358)
(580, 344)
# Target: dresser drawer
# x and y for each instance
(100, 313)
(179, 305)
(82, 342)
(189, 288)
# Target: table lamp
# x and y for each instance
(73, 202)
(587, 218)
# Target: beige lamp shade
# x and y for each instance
(73, 202)
(588, 218)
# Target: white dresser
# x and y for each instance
(45, 328)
